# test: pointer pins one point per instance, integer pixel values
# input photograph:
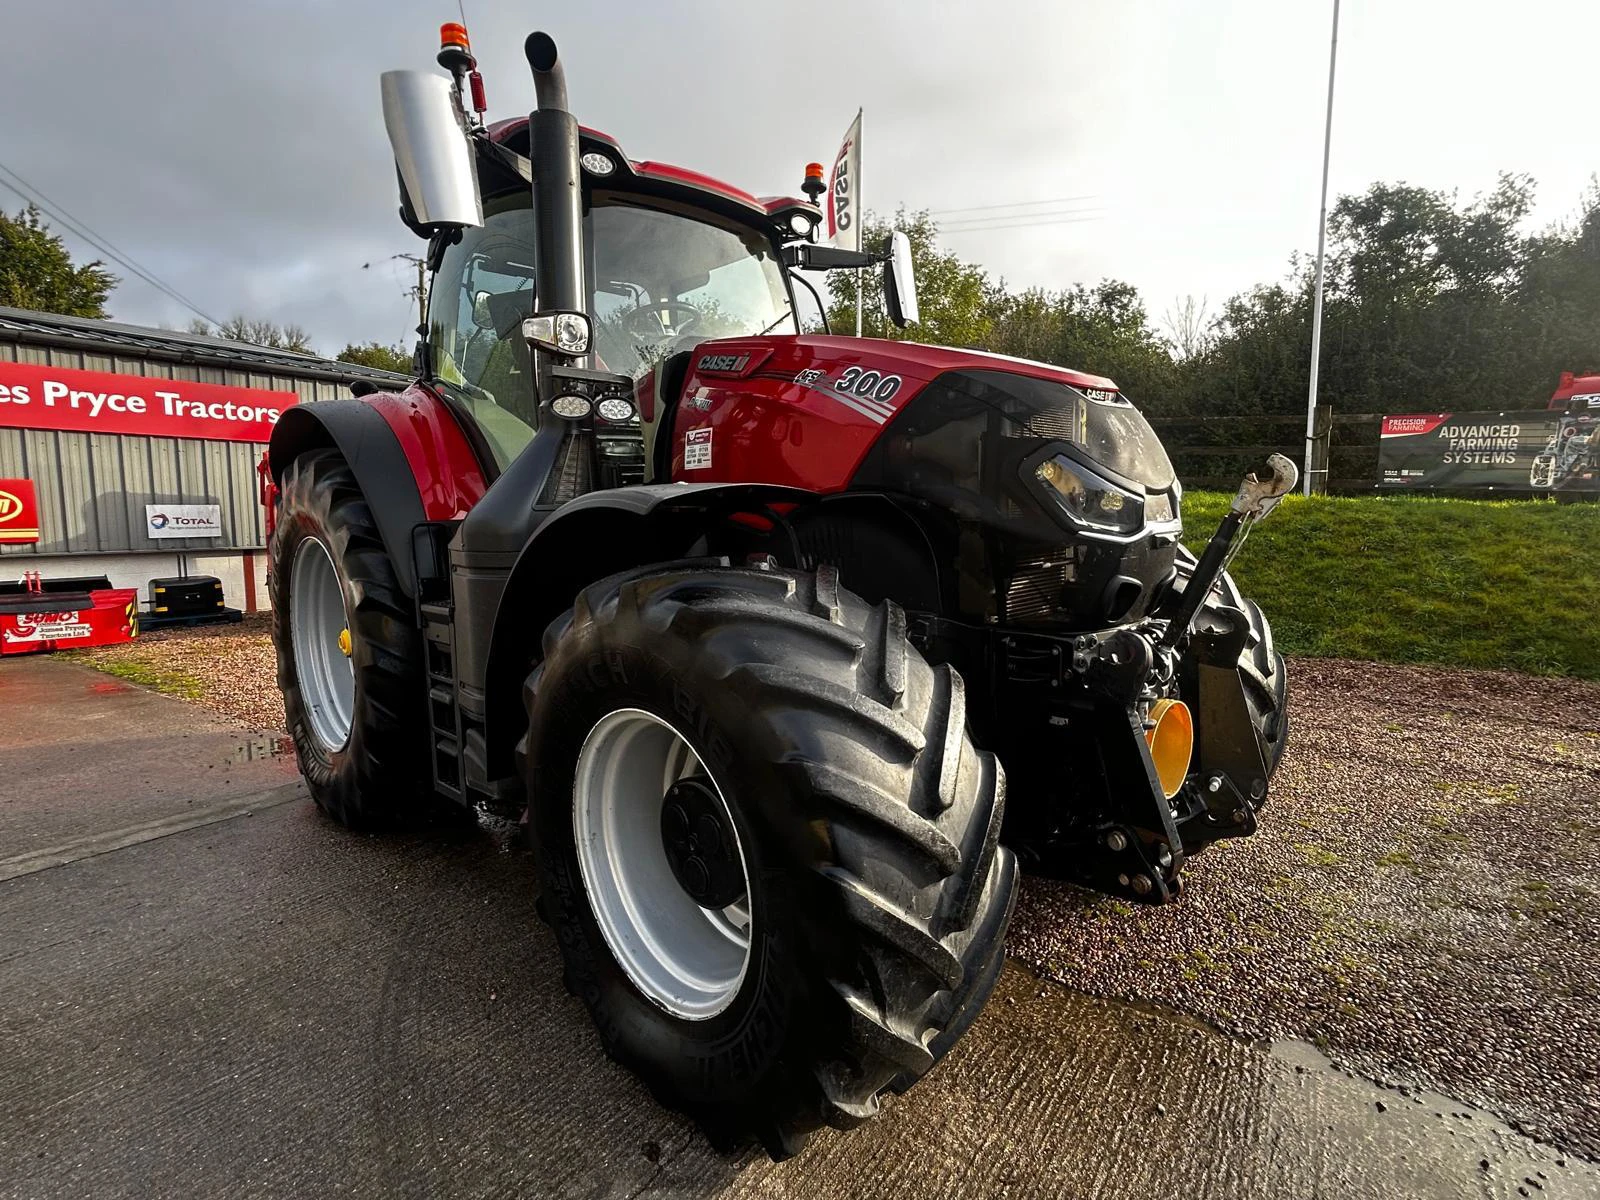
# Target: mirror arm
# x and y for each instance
(825, 258)
(815, 295)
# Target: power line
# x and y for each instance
(1054, 219)
(945, 212)
(82, 230)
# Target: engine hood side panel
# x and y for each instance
(804, 411)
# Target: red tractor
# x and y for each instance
(789, 647)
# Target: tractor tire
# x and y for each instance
(866, 825)
(1262, 668)
(377, 774)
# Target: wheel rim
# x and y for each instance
(321, 632)
(688, 959)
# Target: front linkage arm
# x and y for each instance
(1256, 498)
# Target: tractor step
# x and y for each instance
(444, 714)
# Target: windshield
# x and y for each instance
(664, 281)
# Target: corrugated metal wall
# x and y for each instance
(93, 486)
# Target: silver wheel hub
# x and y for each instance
(320, 628)
(662, 864)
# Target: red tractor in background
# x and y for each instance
(789, 646)
(1569, 465)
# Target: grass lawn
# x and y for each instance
(1472, 583)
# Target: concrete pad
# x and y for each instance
(269, 1006)
(206, 988)
(82, 753)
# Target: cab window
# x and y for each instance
(481, 293)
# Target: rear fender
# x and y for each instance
(409, 457)
(588, 539)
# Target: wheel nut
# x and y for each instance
(1117, 840)
(1164, 857)
(1258, 789)
(1142, 884)
(1214, 784)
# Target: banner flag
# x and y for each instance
(844, 191)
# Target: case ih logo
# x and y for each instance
(726, 363)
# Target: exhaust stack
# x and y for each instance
(557, 196)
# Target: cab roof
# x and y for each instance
(660, 178)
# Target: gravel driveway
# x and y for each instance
(1421, 902)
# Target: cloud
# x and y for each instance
(237, 150)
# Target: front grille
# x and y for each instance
(1062, 421)
(1033, 593)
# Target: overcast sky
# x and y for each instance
(237, 149)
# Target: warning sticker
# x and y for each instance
(697, 449)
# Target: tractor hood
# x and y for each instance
(843, 398)
(1067, 504)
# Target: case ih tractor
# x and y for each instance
(789, 647)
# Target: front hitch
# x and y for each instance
(1256, 498)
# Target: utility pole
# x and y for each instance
(419, 293)
(1322, 236)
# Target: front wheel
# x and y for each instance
(767, 846)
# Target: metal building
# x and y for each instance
(92, 488)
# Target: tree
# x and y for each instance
(258, 332)
(37, 272)
(1104, 330)
(953, 296)
(1188, 327)
(377, 356)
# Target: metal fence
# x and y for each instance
(1216, 451)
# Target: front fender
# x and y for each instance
(369, 446)
(409, 456)
(587, 539)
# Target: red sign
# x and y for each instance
(19, 511)
(110, 616)
(34, 397)
(1412, 425)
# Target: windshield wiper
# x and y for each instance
(789, 312)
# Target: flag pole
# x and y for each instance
(1322, 235)
(861, 210)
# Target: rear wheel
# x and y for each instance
(349, 656)
(767, 846)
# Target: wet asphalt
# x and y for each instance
(208, 990)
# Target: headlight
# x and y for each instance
(1088, 499)
(563, 332)
(614, 409)
(597, 164)
(573, 407)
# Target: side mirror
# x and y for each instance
(900, 281)
(438, 186)
(482, 315)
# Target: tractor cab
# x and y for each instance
(670, 259)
